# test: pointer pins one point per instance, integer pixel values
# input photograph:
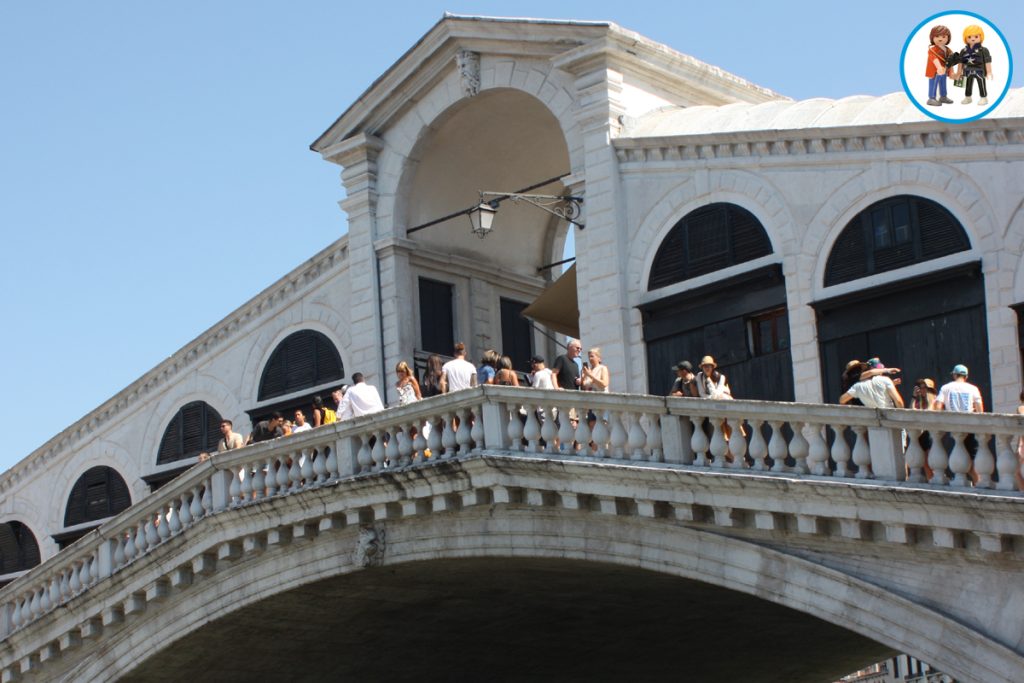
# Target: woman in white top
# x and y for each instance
(542, 377)
(594, 376)
(710, 382)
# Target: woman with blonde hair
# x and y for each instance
(408, 387)
(594, 376)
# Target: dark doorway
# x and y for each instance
(437, 316)
(924, 326)
(740, 321)
(516, 337)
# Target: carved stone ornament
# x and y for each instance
(370, 547)
(469, 71)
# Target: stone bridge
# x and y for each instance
(512, 542)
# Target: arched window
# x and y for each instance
(194, 429)
(891, 234)
(98, 494)
(304, 359)
(710, 238)
(18, 548)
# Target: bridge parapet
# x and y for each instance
(727, 437)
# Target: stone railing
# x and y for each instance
(785, 439)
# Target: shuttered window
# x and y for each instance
(891, 234)
(193, 429)
(708, 239)
(18, 548)
(98, 494)
(304, 359)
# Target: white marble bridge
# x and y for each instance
(787, 554)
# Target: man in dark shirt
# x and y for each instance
(684, 384)
(566, 368)
(267, 429)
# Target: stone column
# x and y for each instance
(601, 247)
(358, 156)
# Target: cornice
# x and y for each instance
(818, 142)
(270, 299)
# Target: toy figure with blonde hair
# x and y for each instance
(975, 63)
(938, 58)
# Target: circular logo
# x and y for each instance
(956, 66)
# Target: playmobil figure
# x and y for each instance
(975, 63)
(938, 58)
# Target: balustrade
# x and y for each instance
(768, 439)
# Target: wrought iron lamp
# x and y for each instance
(481, 217)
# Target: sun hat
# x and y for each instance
(708, 360)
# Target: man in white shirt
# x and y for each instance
(874, 392)
(458, 373)
(360, 399)
(960, 396)
(300, 423)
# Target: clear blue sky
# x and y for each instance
(154, 161)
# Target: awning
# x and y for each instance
(557, 308)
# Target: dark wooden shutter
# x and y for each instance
(194, 428)
(99, 493)
(18, 548)
(516, 339)
(437, 316)
(707, 239)
(304, 359)
(874, 241)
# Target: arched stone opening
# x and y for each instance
(100, 493)
(19, 550)
(501, 140)
(924, 322)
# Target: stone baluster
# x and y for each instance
(130, 551)
(331, 462)
(208, 497)
(654, 443)
(419, 445)
(259, 481)
(16, 614)
(719, 447)
(235, 489)
(618, 437)
(405, 445)
(448, 438)
(531, 432)
(583, 435)
(152, 537)
(938, 459)
(119, 557)
(25, 613)
(565, 432)
(758, 446)
(476, 433)
(914, 457)
(391, 453)
(515, 428)
(699, 442)
(141, 543)
(434, 444)
(175, 520)
(840, 451)
(273, 469)
(364, 458)
(984, 463)
(464, 434)
(817, 452)
(185, 519)
(959, 461)
(862, 453)
(44, 599)
(799, 449)
(85, 574)
(318, 457)
(247, 484)
(777, 448)
(34, 605)
(548, 431)
(600, 435)
(636, 439)
(195, 510)
(1006, 463)
(75, 583)
(377, 451)
(55, 597)
(738, 446)
(289, 476)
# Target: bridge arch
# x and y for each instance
(240, 593)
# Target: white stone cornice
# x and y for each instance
(359, 147)
(914, 139)
(185, 359)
